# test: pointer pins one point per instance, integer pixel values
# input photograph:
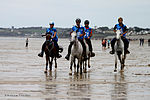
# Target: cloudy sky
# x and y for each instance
(25, 13)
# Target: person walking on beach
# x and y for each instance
(27, 41)
(108, 43)
(148, 42)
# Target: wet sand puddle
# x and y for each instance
(22, 74)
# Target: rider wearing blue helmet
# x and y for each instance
(123, 28)
(53, 32)
(80, 34)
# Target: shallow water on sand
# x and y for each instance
(22, 74)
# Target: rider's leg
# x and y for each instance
(84, 48)
(88, 41)
(69, 51)
(42, 51)
(57, 48)
(126, 44)
(112, 45)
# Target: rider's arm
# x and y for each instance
(90, 34)
(83, 33)
(54, 34)
(125, 31)
(115, 28)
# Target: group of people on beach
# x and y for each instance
(85, 33)
(105, 42)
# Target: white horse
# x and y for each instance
(76, 52)
(119, 51)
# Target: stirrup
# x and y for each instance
(59, 56)
(92, 54)
(67, 57)
(127, 52)
(111, 52)
(40, 54)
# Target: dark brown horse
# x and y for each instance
(51, 53)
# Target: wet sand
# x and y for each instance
(22, 74)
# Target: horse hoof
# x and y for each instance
(115, 70)
(122, 70)
(50, 70)
(89, 66)
(85, 71)
(45, 71)
(70, 73)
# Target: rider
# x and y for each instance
(52, 31)
(88, 36)
(80, 34)
(124, 31)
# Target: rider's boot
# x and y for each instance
(127, 51)
(67, 56)
(41, 54)
(42, 51)
(112, 52)
(69, 51)
(92, 54)
(59, 56)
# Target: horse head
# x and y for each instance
(48, 37)
(118, 33)
(73, 36)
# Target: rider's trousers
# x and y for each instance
(125, 41)
(55, 44)
(88, 41)
(82, 43)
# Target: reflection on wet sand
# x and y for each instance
(77, 89)
(50, 89)
(120, 86)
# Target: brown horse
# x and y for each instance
(51, 53)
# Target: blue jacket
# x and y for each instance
(123, 28)
(88, 32)
(52, 31)
(79, 31)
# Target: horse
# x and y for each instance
(51, 53)
(119, 51)
(76, 53)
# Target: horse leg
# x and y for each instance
(46, 64)
(89, 65)
(71, 63)
(80, 66)
(121, 60)
(115, 63)
(55, 63)
(74, 65)
(51, 62)
(85, 66)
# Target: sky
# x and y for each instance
(35, 13)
